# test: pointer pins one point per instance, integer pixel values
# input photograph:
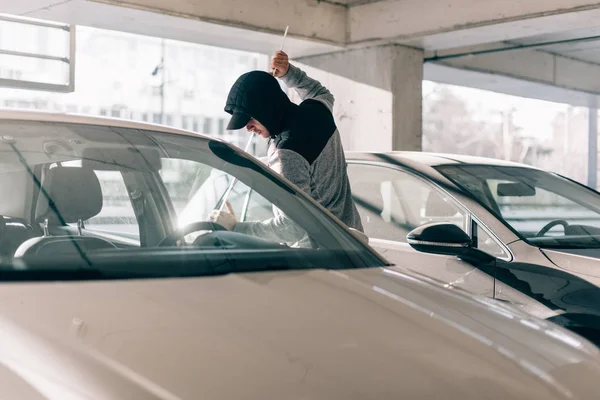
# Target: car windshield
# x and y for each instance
(545, 209)
(135, 202)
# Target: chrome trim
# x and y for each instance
(469, 225)
(426, 243)
(386, 242)
(80, 227)
(452, 198)
(45, 227)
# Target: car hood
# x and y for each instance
(357, 334)
(583, 262)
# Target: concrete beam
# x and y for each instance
(517, 82)
(315, 27)
(535, 66)
(308, 19)
(434, 24)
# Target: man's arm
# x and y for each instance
(294, 77)
(279, 228)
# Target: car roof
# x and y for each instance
(428, 159)
(409, 158)
(68, 118)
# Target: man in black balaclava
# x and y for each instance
(305, 146)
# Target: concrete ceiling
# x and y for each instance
(426, 24)
(151, 22)
(579, 44)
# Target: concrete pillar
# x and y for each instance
(378, 93)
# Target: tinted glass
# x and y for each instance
(543, 208)
(130, 188)
(392, 202)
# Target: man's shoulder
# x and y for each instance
(309, 131)
(312, 118)
(314, 106)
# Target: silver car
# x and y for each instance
(502, 230)
(532, 236)
(106, 296)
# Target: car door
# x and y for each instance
(392, 202)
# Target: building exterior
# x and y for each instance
(128, 76)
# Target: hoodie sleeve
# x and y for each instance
(295, 168)
(307, 88)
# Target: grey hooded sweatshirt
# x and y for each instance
(305, 146)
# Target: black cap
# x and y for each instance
(238, 121)
(258, 95)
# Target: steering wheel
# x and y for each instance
(172, 238)
(551, 225)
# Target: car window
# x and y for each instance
(138, 193)
(196, 189)
(117, 215)
(527, 212)
(543, 208)
(258, 208)
(392, 202)
(484, 242)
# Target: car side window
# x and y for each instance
(392, 202)
(485, 243)
(258, 208)
(195, 190)
(117, 215)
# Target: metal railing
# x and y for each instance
(70, 60)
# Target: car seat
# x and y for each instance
(69, 195)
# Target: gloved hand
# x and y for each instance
(226, 219)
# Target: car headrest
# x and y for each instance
(72, 194)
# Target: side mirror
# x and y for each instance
(448, 240)
(440, 238)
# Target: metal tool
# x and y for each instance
(230, 188)
(282, 44)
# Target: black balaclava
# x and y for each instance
(259, 95)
